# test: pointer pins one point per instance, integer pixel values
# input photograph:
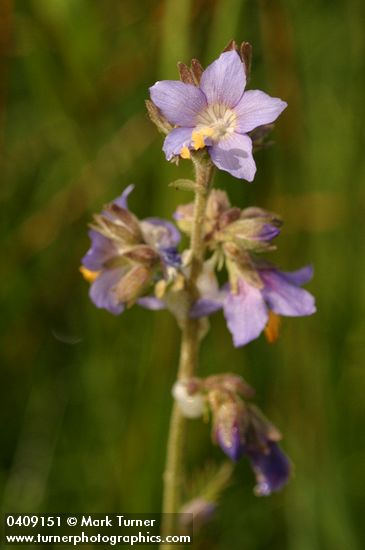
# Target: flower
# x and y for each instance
(271, 466)
(127, 255)
(217, 113)
(229, 428)
(240, 429)
(250, 229)
(247, 306)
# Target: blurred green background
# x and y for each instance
(85, 396)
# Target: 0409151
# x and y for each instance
(21, 520)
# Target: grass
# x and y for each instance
(86, 396)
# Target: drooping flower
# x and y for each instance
(217, 114)
(127, 255)
(247, 306)
(240, 429)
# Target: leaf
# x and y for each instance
(184, 185)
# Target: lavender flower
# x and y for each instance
(217, 114)
(229, 428)
(246, 307)
(127, 255)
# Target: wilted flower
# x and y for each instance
(228, 424)
(216, 113)
(240, 429)
(246, 307)
(127, 255)
(251, 229)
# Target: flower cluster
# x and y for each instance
(207, 116)
(127, 256)
(257, 292)
(238, 427)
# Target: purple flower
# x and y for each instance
(217, 114)
(127, 255)
(247, 310)
(230, 443)
(241, 429)
(272, 468)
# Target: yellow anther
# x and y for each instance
(199, 135)
(272, 328)
(160, 289)
(89, 275)
(179, 283)
(185, 153)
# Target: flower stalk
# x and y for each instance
(210, 118)
(189, 349)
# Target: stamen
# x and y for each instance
(216, 122)
(88, 275)
(272, 328)
(160, 289)
(185, 153)
(199, 135)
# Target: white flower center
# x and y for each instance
(216, 122)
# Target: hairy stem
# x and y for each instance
(190, 342)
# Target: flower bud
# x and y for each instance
(229, 382)
(184, 217)
(218, 203)
(123, 217)
(133, 284)
(229, 421)
(142, 254)
(229, 216)
(118, 224)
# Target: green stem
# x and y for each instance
(189, 350)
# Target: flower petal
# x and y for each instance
(300, 276)
(151, 302)
(284, 297)
(102, 291)
(272, 469)
(176, 140)
(234, 155)
(245, 313)
(205, 307)
(101, 250)
(231, 446)
(122, 200)
(179, 103)
(268, 232)
(257, 108)
(224, 81)
(164, 233)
